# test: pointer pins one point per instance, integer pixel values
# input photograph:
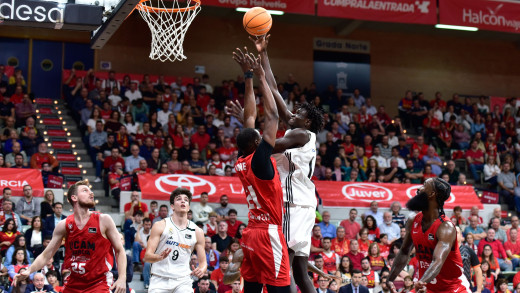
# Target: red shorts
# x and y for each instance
(266, 260)
(97, 288)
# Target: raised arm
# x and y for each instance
(249, 113)
(114, 237)
(271, 112)
(446, 235)
(403, 256)
(261, 45)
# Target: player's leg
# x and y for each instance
(253, 287)
(294, 289)
(161, 285)
(299, 267)
(183, 286)
(277, 289)
(300, 226)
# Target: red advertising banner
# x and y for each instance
(496, 101)
(484, 14)
(333, 194)
(17, 178)
(405, 11)
(54, 181)
(290, 6)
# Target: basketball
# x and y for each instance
(257, 21)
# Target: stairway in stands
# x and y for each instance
(65, 143)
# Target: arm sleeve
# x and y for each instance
(473, 258)
(261, 163)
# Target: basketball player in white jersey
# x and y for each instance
(295, 155)
(170, 246)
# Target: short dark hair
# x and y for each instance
(223, 258)
(327, 238)
(146, 220)
(51, 273)
(163, 206)
(5, 189)
(140, 213)
(355, 271)
(318, 257)
(57, 203)
(153, 202)
(246, 140)
(232, 211)
(178, 191)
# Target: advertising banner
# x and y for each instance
(290, 6)
(17, 178)
(405, 11)
(487, 15)
(333, 194)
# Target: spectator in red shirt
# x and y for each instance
(512, 247)
(355, 255)
(475, 159)
(42, 156)
(226, 151)
(135, 205)
(109, 162)
(498, 250)
(200, 139)
(113, 179)
(351, 226)
(421, 146)
(217, 276)
(233, 223)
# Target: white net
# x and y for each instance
(168, 22)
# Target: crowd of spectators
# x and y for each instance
(134, 127)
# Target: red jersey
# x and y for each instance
(88, 255)
(329, 262)
(371, 277)
(451, 277)
(341, 247)
(264, 197)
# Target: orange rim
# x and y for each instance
(143, 7)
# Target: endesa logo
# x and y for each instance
(196, 185)
(366, 192)
(412, 191)
(27, 10)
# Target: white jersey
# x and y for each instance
(296, 167)
(182, 242)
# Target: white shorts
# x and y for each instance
(168, 285)
(297, 228)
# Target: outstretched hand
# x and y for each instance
(261, 42)
(420, 287)
(255, 64)
(235, 110)
(242, 60)
(19, 277)
(197, 272)
(391, 286)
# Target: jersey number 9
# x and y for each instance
(175, 255)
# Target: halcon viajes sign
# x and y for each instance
(484, 14)
(32, 11)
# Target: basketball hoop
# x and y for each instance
(168, 23)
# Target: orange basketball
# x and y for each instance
(257, 21)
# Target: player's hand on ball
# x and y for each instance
(118, 287)
(164, 254)
(197, 272)
(261, 42)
